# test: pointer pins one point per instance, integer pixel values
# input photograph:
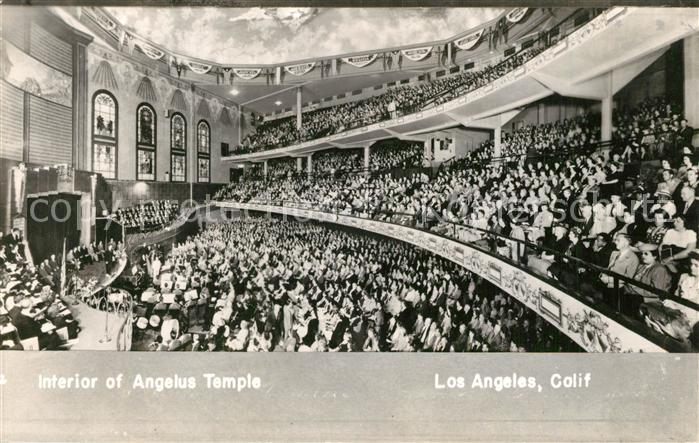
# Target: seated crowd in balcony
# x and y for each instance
(385, 155)
(575, 205)
(276, 285)
(394, 154)
(148, 216)
(281, 167)
(400, 100)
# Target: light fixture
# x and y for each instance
(234, 92)
(278, 103)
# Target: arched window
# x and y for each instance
(178, 148)
(203, 152)
(146, 142)
(104, 134)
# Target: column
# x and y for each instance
(310, 163)
(427, 153)
(299, 164)
(607, 110)
(367, 153)
(497, 140)
(81, 153)
(691, 82)
(264, 169)
(240, 123)
(299, 119)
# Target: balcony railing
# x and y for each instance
(613, 301)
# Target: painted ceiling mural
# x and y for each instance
(273, 35)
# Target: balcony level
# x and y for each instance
(594, 62)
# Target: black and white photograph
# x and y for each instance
(479, 182)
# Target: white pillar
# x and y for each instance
(606, 118)
(691, 82)
(264, 169)
(310, 163)
(240, 121)
(497, 140)
(299, 119)
(367, 153)
(427, 153)
(299, 164)
(607, 101)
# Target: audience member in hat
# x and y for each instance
(557, 242)
(569, 268)
(664, 202)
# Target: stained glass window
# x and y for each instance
(146, 141)
(203, 137)
(146, 164)
(178, 171)
(203, 152)
(104, 159)
(105, 115)
(203, 170)
(104, 134)
(178, 133)
(146, 125)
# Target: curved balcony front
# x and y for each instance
(592, 329)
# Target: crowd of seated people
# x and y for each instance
(392, 154)
(148, 216)
(384, 156)
(260, 284)
(653, 130)
(537, 140)
(455, 86)
(253, 171)
(31, 314)
(399, 100)
(545, 203)
(281, 167)
(338, 160)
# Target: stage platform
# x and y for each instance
(92, 321)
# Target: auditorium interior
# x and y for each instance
(522, 180)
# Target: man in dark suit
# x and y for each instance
(587, 220)
(600, 251)
(640, 207)
(13, 238)
(565, 269)
(14, 242)
(689, 208)
(684, 138)
(108, 260)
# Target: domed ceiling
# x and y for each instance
(274, 35)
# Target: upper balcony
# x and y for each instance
(591, 61)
